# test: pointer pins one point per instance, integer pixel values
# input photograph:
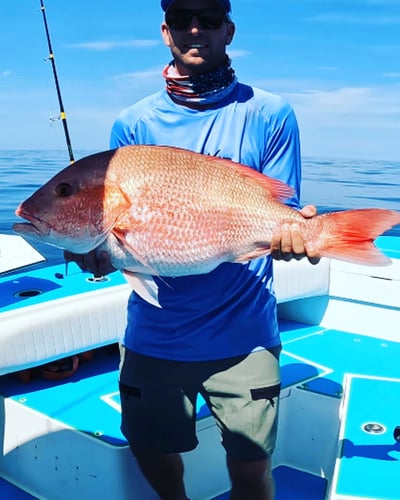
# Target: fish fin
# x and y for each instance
(276, 188)
(144, 285)
(121, 236)
(351, 234)
(260, 251)
(365, 253)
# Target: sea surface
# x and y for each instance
(330, 184)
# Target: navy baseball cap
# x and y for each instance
(225, 4)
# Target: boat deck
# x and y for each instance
(369, 447)
(314, 360)
(324, 356)
(290, 484)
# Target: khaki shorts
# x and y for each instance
(158, 400)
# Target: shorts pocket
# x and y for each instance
(266, 393)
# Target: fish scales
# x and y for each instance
(217, 212)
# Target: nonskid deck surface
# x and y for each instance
(389, 245)
(330, 354)
(367, 465)
(314, 358)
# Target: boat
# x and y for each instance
(339, 427)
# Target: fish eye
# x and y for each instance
(64, 189)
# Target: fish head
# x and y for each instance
(76, 209)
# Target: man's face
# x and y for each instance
(197, 49)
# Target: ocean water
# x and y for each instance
(330, 184)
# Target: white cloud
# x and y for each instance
(151, 76)
(102, 46)
(354, 107)
(352, 122)
(236, 53)
(339, 101)
(6, 73)
(328, 68)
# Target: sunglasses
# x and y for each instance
(181, 19)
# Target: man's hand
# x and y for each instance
(287, 242)
(98, 265)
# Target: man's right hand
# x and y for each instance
(96, 263)
(288, 243)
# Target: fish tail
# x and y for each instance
(350, 235)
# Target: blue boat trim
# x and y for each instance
(389, 246)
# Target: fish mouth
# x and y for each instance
(39, 231)
(29, 230)
(35, 226)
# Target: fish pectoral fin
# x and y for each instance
(122, 236)
(144, 285)
(260, 251)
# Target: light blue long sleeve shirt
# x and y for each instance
(232, 310)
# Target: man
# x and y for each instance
(213, 334)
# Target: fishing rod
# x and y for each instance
(63, 115)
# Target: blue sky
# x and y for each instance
(336, 61)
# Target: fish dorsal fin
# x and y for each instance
(276, 188)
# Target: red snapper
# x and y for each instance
(173, 212)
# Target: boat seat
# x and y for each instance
(299, 279)
(46, 314)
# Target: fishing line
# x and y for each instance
(63, 115)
